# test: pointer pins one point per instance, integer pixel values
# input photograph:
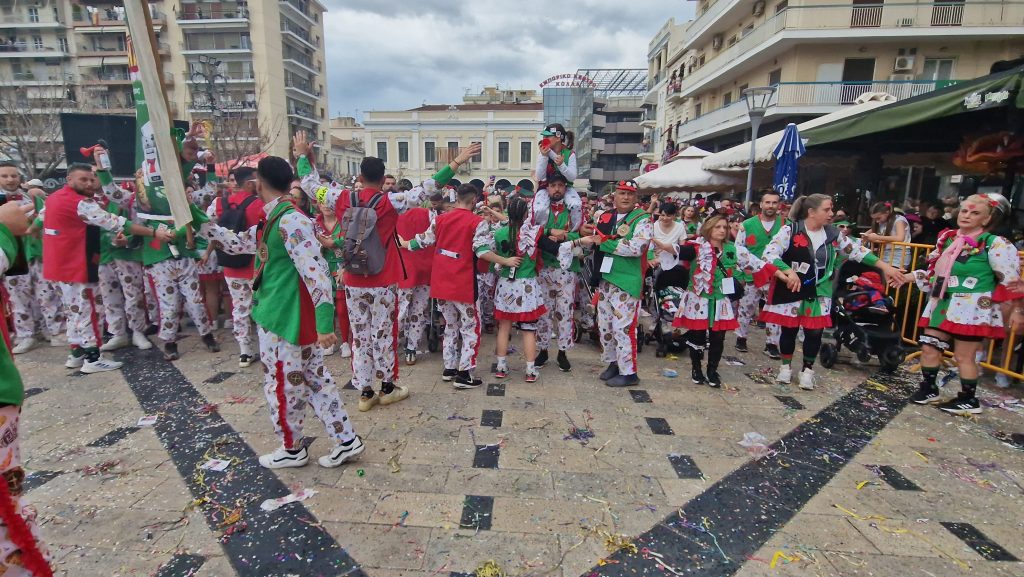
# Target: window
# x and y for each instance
(937, 69)
(453, 150)
(62, 43)
(775, 77)
(727, 98)
(503, 152)
(382, 151)
(37, 42)
(525, 152)
(697, 110)
(477, 157)
(403, 152)
(33, 14)
(429, 152)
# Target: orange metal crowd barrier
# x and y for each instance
(910, 302)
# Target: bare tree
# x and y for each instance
(237, 132)
(30, 129)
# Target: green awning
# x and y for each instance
(993, 91)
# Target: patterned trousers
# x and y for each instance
(373, 314)
(121, 286)
(294, 376)
(169, 278)
(485, 284)
(617, 313)
(241, 313)
(559, 289)
(746, 312)
(84, 308)
(11, 556)
(460, 320)
(33, 296)
(413, 314)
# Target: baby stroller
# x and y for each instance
(668, 290)
(863, 319)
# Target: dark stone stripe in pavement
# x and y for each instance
(39, 478)
(486, 457)
(640, 396)
(279, 542)
(659, 426)
(790, 402)
(712, 535)
(495, 389)
(113, 436)
(977, 540)
(181, 565)
(34, 391)
(219, 377)
(476, 513)
(685, 467)
(896, 480)
(491, 419)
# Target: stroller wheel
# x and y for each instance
(892, 357)
(828, 355)
(864, 354)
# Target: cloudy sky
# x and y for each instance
(394, 55)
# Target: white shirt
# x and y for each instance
(668, 260)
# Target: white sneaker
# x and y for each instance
(807, 380)
(140, 341)
(342, 453)
(785, 374)
(330, 351)
(74, 362)
(118, 342)
(281, 459)
(58, 341)
(346, 350)
(23, 346)
(100, 365)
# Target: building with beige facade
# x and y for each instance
(257, 68)
(416, 143)
(346, 148)
(819, 57)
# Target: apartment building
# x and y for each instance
(617, 140)
(255, 67)
(819, 57)
(416, 143)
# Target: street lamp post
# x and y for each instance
(757, 100)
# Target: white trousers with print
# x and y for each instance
(294, 376)
(413, 314)
(461, 335)
(13, 475)
(559, 289)
(373, 314)
(122, 289)
(170, 278)
(617, 313)
(485, 285)
(32, 297)
(746, 313)
(84, 309)
(241, 312)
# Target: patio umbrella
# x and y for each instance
(790, 149)
(684, 173)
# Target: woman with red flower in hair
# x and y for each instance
(813, 248)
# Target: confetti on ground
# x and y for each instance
(582, 434)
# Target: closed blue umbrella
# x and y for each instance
(790, 148)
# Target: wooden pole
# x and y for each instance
(151, 76)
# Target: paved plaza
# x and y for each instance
(562, 477)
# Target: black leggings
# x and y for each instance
(812, 344)
(697, 341)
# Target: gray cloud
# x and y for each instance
(392, 55)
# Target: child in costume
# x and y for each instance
(556, 155)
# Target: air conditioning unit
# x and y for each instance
(903, 63)
(716, 42)
(758, 8)
(900, 77)
(905, 22)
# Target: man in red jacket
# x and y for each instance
(239, 279)
(414, 289)
(373, 299)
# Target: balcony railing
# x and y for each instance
(240, 13)
(823, 95)
(301, 8)
(892, 16)
(301, 33)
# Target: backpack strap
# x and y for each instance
(353, 199)
(375, 200)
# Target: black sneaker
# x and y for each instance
(623, 381)
(563, 362)
(714, 381)
(962, 406)
(925, 396)
(448, 374)
(611, 371)
(772, 351)
(541, 360)
(698, 376)
(171, 351)
(245, 361)
(463, 380)
(211, 343)
(741, 345)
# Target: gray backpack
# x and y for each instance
(363, 252)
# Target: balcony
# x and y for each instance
(301, 63)
(241, 45)
(857, 23)
(306, 113)
(800, 98)
(26, 50)
(304, 90)
(300, 8)
(101, 51)
(28, 21)
(293, 31)
(202, 105)
(194, 16)
(32, 79)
